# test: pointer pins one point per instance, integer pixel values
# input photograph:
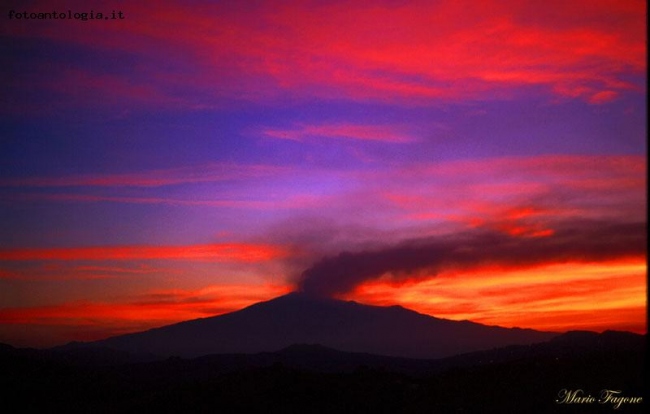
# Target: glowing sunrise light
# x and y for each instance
(88, 320)
(595, 296)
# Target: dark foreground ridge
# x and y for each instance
(316, 379)
(301, 319)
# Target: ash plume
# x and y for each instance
(426, 257)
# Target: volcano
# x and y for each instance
(297, 318)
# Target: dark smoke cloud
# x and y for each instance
(585, 242)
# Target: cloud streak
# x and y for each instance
(92, 198)
(153, 178)
(69, 271)
(225, 252)
(378, 133)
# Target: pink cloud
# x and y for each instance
(379, 133)
(488, 193)
(603, 97)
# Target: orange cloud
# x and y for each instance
(554, 297)
(225, 252)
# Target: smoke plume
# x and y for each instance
(585, 242)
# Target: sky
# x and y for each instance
(470, 160)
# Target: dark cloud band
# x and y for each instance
(583, 242)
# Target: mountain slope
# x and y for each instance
(346, 326)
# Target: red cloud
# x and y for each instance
(486, 193)
(97, 320)
(232, 252)
(413, 52)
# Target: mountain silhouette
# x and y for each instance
(347, 326)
